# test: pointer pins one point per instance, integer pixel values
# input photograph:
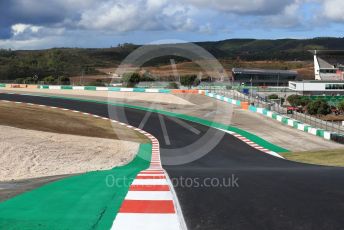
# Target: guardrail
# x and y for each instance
(100, 88)
(276, 107)
(294, 123)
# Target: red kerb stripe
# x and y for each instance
(149, 188)
(147, 206)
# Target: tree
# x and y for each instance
(294, 100)
(19, 80)
(97, 82)
(318, 107)
(273, 96)
(49, 80)
(173, 85)
(305, 101)
(189, 80)
(341, 106)
(65, 80)
(147, 77)
(131, 79)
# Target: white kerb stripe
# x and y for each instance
(102, 88)
(78, 87)
(130, 221)
(150, 182)
(127, 90)
(152, 90)
(149, 195)
(149, 174)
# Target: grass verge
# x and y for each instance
(64, 122)
(327, 158)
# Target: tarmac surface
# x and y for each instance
(264, 192)
(211, 109)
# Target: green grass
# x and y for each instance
(78, 202)
(327, 158)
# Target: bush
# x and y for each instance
(98, 82)
(294, 100)
(305, 101)
(273, 96)
(189, 80)
(147, 77)
(173, 85)
(340, 106)
(131, 79)
(19, 80)
(49, 80)
(65, 80)
(318, 107)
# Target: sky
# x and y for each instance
(37, 24)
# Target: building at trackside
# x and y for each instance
(329, 76)
(263, 77)
(318, 87)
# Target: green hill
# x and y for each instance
(74, 61)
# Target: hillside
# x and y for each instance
(74, 61)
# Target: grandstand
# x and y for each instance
(331, 69)
(329, 75)
(263, 77)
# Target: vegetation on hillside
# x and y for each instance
(66, 62)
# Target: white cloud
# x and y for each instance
(289, 17)
(119, 17)
(123, 16)
(244, 6)
(28, 32)
(333, 9)
(19, 29)
(56, 20)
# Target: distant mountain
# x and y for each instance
(282, 49)
(74, 61)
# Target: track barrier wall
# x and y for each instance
(282, 119)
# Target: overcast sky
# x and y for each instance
(35, 24)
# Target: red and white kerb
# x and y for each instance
(149, 203)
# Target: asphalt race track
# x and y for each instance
(271, 194)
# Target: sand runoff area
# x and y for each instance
(38, 142)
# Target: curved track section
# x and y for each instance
(264, 192)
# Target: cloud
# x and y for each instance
(27, 31)
(124, 16)
(333, 10)
(255, 7)
(23, 21)
(290, 17)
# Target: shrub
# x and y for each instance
(294, 100)
(19, 80)
(273, 96)
(189, 80)
(341, 105)
(131, 79)
(173, 85)
(97, 82)
(49, 80)
(318, 107)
